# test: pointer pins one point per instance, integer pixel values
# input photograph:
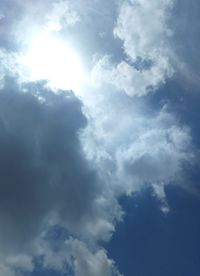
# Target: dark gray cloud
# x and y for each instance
(46, 180)
(42, 169)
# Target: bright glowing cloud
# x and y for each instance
(51, 58)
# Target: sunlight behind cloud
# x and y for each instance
(51, 58)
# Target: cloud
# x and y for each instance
(135, 147)
(8, 65)
(143, 29)
(70, 171)
(35, 148)
(156, 157)
(84, 261)
(26, 19)
(142, 26)
(62, 15)
(65, 163)
(45, 179)
(124, 77)
(89, 264)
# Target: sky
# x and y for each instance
(99, 138)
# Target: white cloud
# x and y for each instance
(159, 191)
(126, 77)
(75, 254)
(62, 15)
(156, 154)
(87, 263)
(142, 27)
(134, 147)
(26, 19)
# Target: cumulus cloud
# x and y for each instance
(142, 26)
(135, 147)
(83, 260)
(143, 29)
(45, 178)
(88, 263)
(50, 177)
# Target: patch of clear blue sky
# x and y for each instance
(158, 244)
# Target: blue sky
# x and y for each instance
(99, 138)
(157, 244)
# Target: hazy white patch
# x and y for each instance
(7, 271)
(22, 261)
(48, 15)
(9, 65)
(2, 16)
(62, 15)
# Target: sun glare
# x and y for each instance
(50, 58)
